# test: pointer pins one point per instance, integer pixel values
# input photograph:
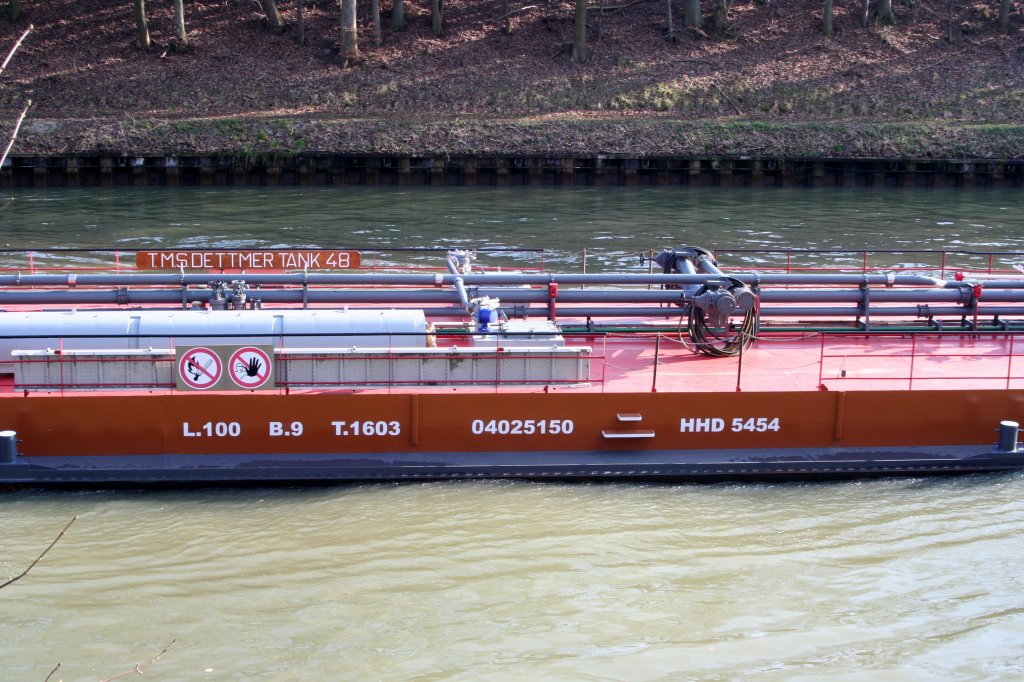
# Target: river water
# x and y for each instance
(902, 579)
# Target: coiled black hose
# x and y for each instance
(704, 339)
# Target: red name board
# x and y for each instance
(247, 260)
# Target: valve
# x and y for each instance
(485, 313)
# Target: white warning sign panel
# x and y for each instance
(251, 367)
(199, 369)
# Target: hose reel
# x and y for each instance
(712, 305)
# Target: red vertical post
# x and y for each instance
(657, 359)
(1009, 362)
(604, 363)
(497, 365)
(821, 365)
(60, 353)
(913, 355)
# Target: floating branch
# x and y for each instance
(139, 666)
(32, 565)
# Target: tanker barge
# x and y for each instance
(229, 367)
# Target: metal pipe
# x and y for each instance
(460, 286)
(508, 295)
(856, 295)
(893, 311)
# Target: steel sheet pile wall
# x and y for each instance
(341, 170)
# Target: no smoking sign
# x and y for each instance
(199, 368)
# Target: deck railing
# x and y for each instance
(615, 363)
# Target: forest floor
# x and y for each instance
(941, 82)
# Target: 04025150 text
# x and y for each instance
(523, 427)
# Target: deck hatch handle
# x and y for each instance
(639, 433)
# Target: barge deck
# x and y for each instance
(690, 373)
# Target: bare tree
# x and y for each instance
(398, 15)
(671, 36)
(179, 24)
(14, 10)
(375, 20)
(883, 10)
(300, 28)
(691, 13)
(580, 52)
(826, 18)
(141, 26)
(349, 32)
(1004, 14)
(273, 16)
(721, 15)
(437, 16)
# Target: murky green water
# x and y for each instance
(615, 225)
(881, 580)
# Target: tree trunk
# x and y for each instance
(691, 13)
(507, 27)
(883, 10)
(300, 29)
(865, 13)
(179, 24)
(436, 17)
(826, 19)
(14, 10)
(273, 16)
(721, 15)
(141, 26)
(398, 15)
(671, 26)
(378, 40)
(1004, 15)
(580, 53)
(349, 33)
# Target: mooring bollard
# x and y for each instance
(8, 446)
(1008, 435)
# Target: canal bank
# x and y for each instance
(498, 152)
